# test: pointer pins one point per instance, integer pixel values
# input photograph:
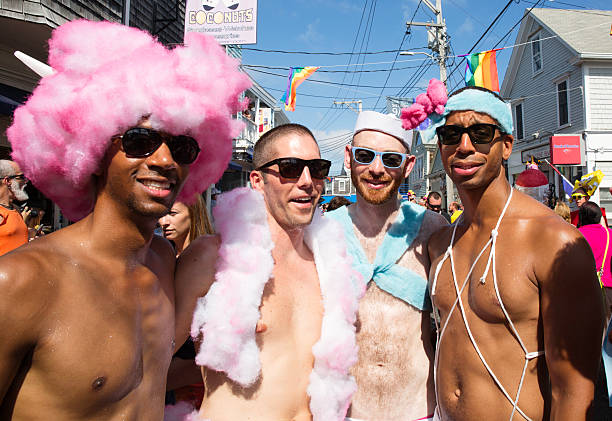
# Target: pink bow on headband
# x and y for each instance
(425, 104)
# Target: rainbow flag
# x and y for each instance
(297, 75)
(481, 70)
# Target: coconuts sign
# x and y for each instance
(229, 21)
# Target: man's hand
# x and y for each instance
(25, 213)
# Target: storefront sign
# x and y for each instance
(395, 105)
(539, 152)
(565, 150)
(264, 120)
(228, 21)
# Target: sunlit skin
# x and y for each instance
(546, 275)
(291, 308)
(291, 203)
(375, 183)
(94, 331)
(394, 372)
(176, 225)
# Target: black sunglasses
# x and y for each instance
(365, 156)
(140, 142)
(480, 133)
(294, 167)
(19, 177)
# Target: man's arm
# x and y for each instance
(195, 273)
(24, 299)
(573, 317)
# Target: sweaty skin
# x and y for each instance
(394, 372)
(546, 277)
(88, 313)
(291, 307)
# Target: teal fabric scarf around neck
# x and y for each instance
(397, 280)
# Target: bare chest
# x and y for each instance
(104, 343)
(388, 328)
(488, 284)
(292, 307)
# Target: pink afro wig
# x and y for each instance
(107, 77)
(433, 101)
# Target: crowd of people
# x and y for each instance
(384, 309)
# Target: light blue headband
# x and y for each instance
(475, 100)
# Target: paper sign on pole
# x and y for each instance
(229, 21)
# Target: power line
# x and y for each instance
(368, 30)
(484, 33)
(326, 82)
(324, 53)
(257, 66)
(391, 69)
(349, 62)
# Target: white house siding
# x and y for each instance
(540, 97)
(599, 86)
(540, 112)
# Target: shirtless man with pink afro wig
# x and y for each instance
(121, 128)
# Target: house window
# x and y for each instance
(341, 186)
(536, 54)
(518, 118)
(563, 103)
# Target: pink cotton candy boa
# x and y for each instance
(226, 317)
(182, 411)
(433, 101)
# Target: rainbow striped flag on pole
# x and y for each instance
(297, 75)
(481, 70)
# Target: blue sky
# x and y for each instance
(334, 26)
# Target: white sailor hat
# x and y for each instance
(385, 123)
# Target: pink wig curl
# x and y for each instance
(433, 101)
(107, 77)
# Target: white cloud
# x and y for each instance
(311, 34)
(467, 27)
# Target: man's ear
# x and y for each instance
(508, 141)
(347, 156)
(410, 161)
(256, 178)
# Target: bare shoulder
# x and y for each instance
(438, 232)
(432, 222)
(543, 227)
(202, 249)
(554, 244)
(29, 281)
(163, 250)
(198, 261)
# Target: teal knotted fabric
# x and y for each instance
(397, 280)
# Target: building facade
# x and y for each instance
(418, 180)
(559, 82)
(26, 25)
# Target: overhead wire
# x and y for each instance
(485, 32)
(367, 30)
(323, 53)
(349, 62)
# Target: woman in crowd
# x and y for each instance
(182, 225)
(563, 210)
(599, 238)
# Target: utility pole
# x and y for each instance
(125, 18)
(349, 103)
(437, 43)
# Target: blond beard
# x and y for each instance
(376, 197)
